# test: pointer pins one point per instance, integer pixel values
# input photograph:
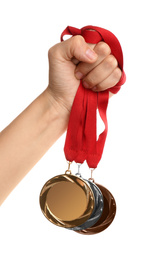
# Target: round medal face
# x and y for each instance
(67, 200)
(107, 216)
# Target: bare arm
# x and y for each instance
(33, 132)
(28, 138)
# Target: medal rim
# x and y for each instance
(98, 209)
(99, 227)
(89, 197)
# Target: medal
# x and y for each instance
(107, 215)
(69, 200)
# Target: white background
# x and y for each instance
(27, 30)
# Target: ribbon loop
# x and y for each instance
(91, 36)
(70, 31)
(81, 140)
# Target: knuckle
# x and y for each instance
(117, 73)
(91, 80)
(76, 43)
(77, 40)
(111, 62)
(51, 52)
(103, 49)
(54, 52)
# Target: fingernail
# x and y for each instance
(79, 75)
(91, 54)
(85, 84)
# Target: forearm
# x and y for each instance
(27, 139)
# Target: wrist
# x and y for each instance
(56, 103)
(56, 108)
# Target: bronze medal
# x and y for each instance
(67, 200)
(107, 216)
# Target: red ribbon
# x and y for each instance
(81, 140)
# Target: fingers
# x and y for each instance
(103, 73)
(97, 68)
(76, 48)
(102, 50)
(109, 82)
(76, 61)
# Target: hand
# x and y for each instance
(74, 59)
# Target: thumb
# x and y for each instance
(77, 47)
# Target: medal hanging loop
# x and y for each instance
(81, 140)
(91, 178)
(68, 171)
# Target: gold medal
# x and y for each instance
(67, 200)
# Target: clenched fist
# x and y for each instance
(74, 59)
